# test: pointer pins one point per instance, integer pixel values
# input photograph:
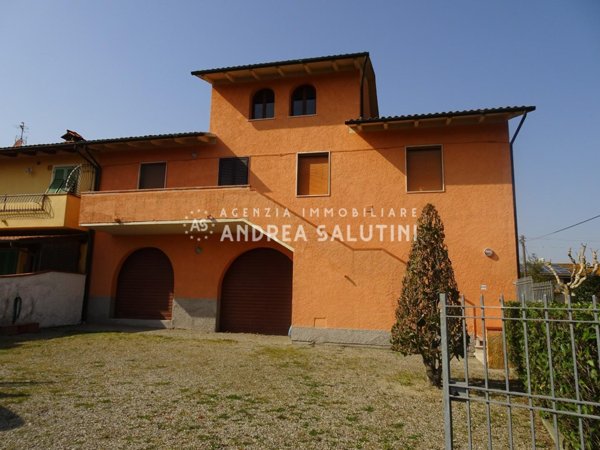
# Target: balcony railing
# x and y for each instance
(35, 211)
(23, 203)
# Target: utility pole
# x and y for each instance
(524, 253)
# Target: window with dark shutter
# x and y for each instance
(233, 171)
(424, 169)
(152, 175)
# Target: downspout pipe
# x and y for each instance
(91, 234)
(88, 273)
(362, 83)
(92, 161)
(512, 172)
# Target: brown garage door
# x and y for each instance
(256, 294)
(145, 286)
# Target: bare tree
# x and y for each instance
(579, 271)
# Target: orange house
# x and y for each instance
(295, 213)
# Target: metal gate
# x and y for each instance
(545, 392)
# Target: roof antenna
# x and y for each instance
(22, 139)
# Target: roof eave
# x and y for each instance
(283, 69)
(472, 117)
(133, 141)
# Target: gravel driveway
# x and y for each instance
(88, 387)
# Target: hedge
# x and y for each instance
(586, 347)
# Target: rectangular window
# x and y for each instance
(233, 171)
(152, 175)
(313, 174)
(60, 175)
(424, 169)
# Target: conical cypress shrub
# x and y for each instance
(429, 272)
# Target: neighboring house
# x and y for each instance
(562, 270)
(42, 246)
(296, 150)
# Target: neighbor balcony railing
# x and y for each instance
(23, 203)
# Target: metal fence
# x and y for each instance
(531, 291)
(545, 389)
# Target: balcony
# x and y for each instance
(39, 211)
(56, 208)
(162, 211)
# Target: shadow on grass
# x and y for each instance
(9, 420)
(514, 385)
(46, 334)
(18, 384)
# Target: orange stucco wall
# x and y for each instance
(195, 273)
(335, 284)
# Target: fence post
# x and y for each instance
(447, 404)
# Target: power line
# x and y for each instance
(565, 228)
(581, 239)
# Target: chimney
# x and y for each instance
(72, 136)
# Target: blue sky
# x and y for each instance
(122, 68)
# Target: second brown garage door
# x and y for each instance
(145, 286)
(256, 294)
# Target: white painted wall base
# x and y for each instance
(49, 298)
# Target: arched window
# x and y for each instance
(263, 104)
(304, 101)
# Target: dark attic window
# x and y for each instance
(263, 104)
(304, 101)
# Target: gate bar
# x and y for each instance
(447, 402)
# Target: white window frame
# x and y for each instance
(322, 152)
(424, 146)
